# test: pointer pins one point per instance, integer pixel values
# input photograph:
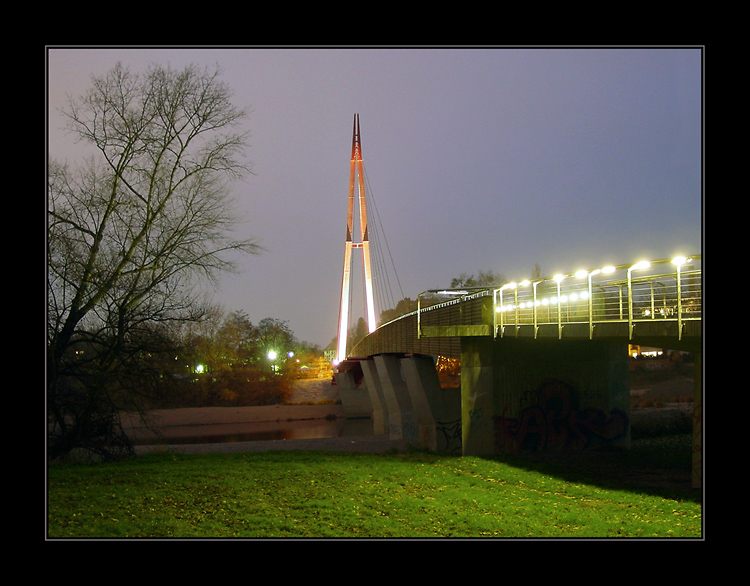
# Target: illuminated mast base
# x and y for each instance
(356, 176)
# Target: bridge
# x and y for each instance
(651, 303)
(543, 360)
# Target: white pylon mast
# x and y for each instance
(356, 176)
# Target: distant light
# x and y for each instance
(511, 285)
(581, 274)
(200, 368)
(335, 362)
(525, 283)
(583, 295)
(563, 298)
(290, 354)
(680, 260)
(653, 353)
(545, 301)
(499, 309)
(640, 265)
(608, 270)
(452, 292)
(272, 355)
(574, 296)
(558, 278)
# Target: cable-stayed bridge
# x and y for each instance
(543, 361)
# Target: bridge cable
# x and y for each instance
(384, 289)
(381, 231)
(388, 248)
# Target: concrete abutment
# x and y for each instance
(533, 395)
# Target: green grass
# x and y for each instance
(302, 494)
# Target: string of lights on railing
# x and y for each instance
(591, 296)
(559, 299)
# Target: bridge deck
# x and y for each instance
(660, 308)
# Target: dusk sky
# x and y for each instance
(478, 159)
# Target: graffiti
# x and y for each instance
(449, 437)
(475, 415)
(556, 422)
(409, 430)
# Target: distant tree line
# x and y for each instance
(229, 361)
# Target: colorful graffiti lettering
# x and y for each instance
(555, 422)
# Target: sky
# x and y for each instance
(491, 159)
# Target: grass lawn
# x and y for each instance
(639, 493)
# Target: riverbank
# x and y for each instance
(180, 425)
(312, 420)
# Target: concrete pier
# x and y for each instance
(377, 398)
(401, 423)
(353, 393)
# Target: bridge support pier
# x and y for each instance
(407, 402)
(377, 399)
(401, 424)
(422, 384)
(353, 393)
(519, 394)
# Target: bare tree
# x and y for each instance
(132, 233)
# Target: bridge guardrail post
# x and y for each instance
(502, 311)
(419, 313)
(637, 266)
(678, 262)
(558, 279)
(494, 313)
(591, 304)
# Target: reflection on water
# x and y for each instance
(310, 429)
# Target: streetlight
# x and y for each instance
(536, 304)
(272, 356)
(640, 265)
(501, 308)
(558, 278)
(589, 275)
(584, 274)
(524, 283)
(678, 261)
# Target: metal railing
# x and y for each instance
(664, 290)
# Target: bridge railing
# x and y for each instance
(660, 291)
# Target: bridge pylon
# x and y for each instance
(356, 178)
